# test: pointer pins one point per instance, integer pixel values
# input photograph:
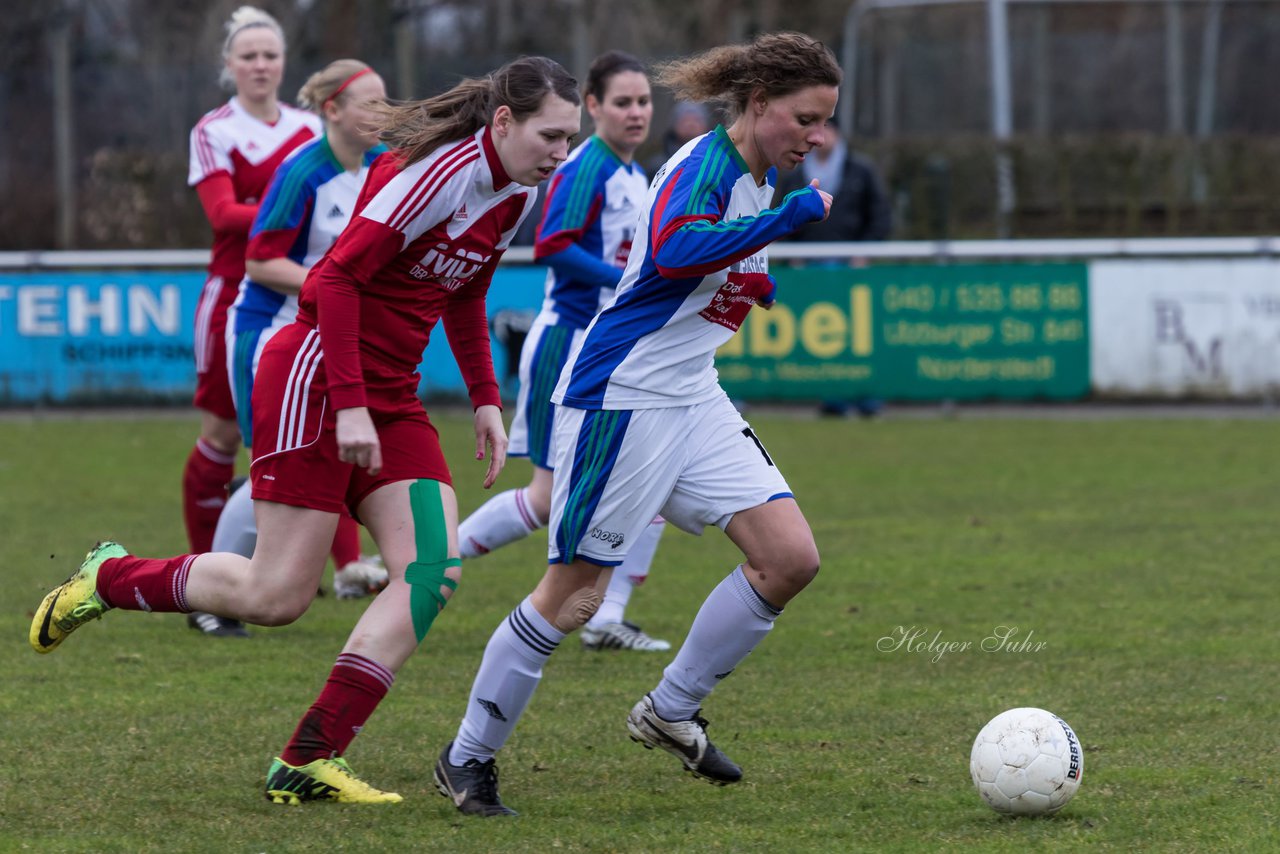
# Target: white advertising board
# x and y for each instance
(1185, 328)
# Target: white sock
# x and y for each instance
(504, 518)
(629, 575)
(504, 684)
(237, 530)
(732, 620)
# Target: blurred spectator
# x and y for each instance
(688, 119)
(860, 210)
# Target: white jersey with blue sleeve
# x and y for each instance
(588, 225)
(308, 204)
(699, 263)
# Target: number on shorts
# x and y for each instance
(746, 431)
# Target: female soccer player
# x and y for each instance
(337, 422)
(306, 207)
(643, 427)
(234, 151)
(588, 223)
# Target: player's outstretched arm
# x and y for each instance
(697, 244)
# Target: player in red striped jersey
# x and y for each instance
(337, 421)
(234, 151)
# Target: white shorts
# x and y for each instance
(616, 469)
(544, 353)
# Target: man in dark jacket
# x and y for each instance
(860, 209)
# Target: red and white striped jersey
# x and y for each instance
(230, 141)
(421, 247)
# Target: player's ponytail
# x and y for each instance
(329, 83)
(417, 128)
(776, 63)
(242, 19)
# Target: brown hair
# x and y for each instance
(419, 127)
(605, 66)
(777, 63)
(322, 85)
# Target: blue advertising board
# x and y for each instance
(94, 336)
(126, 336)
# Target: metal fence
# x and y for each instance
(1019, 118)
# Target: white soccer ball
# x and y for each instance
(1026, 762)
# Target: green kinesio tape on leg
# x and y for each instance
(425, 575)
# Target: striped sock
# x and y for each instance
(503, 519)
(732, 620)
(145, 584)
(508, 674)
(355, 687)
(204, 492)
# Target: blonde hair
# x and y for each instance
(321, 86)
(242, 19)
(776, 63)
(417, 128)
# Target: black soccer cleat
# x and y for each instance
(472, 786)
(686, 740)
(220, 627)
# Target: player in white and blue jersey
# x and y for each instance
(642, 425)
(307, 205)
(588, 225)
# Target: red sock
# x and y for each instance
(204, 492)
(145, 584)
(356, 685)
(346, 542)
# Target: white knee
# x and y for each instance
(579, 607)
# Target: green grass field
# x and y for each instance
(1142, 555)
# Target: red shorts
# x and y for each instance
(213, 388)
(294, 443)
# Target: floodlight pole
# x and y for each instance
(1175, 96)
(405, 47)
(1211, 38)
(581, 37)
(1001, 87)
(1001, 112)
(64, 150)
